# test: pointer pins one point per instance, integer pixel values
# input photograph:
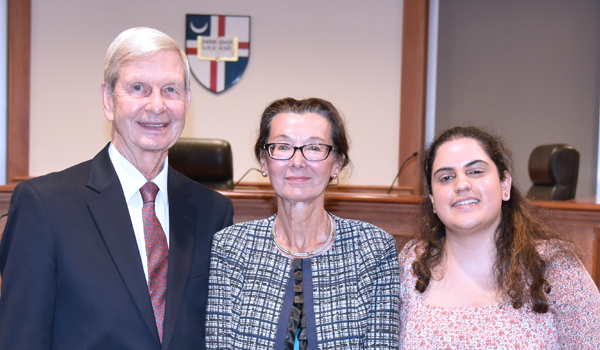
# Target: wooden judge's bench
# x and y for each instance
(395, 213)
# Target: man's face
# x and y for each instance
(148, 106)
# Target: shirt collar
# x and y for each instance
(132, 179)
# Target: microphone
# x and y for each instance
(243, 176)
(400, 170)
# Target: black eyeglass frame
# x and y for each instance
(267, 147)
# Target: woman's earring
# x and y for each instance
(335, 177)
(264, 173)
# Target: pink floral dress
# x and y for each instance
(573, 321)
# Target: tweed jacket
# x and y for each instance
(355, 288)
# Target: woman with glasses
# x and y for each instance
(303, 278)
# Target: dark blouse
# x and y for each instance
(297, 319)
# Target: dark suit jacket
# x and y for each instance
(72, 276)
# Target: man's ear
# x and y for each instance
(108, 104)
(188, 99)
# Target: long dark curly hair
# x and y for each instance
(519, 269)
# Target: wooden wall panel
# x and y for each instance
(19, 80)
(413, 87)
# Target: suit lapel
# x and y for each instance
(183, 218)
(111, 215)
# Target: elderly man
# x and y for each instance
(114, 253)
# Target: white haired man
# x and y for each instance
(114, 253)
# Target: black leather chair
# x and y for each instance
(553, 169)
(207, 161)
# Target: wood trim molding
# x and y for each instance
(332, 189)
(18, 90)
(412, 90)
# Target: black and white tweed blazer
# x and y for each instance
(355, 288)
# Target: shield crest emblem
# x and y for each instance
(218, 49)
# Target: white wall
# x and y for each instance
(348, 52)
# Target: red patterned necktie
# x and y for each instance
(157, 252)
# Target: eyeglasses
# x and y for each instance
(285, 151)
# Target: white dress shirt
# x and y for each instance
(132, 180)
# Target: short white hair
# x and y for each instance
(136, 43)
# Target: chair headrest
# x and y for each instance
(208, 161)
(554, 164)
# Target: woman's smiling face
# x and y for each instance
(298, 179)
(467, 191)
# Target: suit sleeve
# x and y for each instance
(28, 268)
(383, 328)
(229, 216)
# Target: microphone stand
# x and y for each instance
(243, 176)
(400, 170)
